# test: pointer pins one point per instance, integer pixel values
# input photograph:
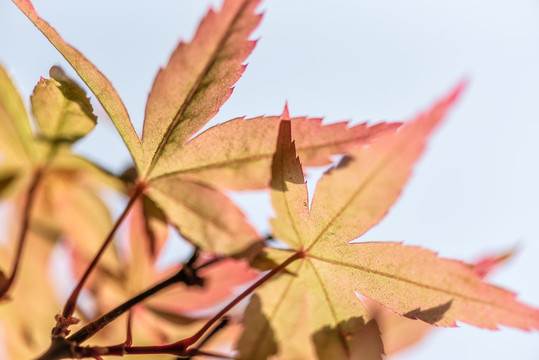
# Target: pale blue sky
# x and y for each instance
(475, 189)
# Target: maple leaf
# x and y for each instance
(183, 177)
(318, 299)
(25, 322)
(44, 160)
(61, 108)
(16, 139)
(399, 332)
(223, 158)
(180, 179)
(63, 114)
(96, 81)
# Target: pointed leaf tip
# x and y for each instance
(458, 90)
(286, 114)
(196, 82)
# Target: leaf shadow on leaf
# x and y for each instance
(343, 162)
(432, 315)
(265, 337)
(346, 159)
(72, 91)
(362, 340)
(6, 180)
(282, 166)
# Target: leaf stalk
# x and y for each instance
(38, 174)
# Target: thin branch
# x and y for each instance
(65, 319)
(193, 339)
(70, 347)
(186, 274)
(224, 322)
(30, 196)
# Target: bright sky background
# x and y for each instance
(475, 190)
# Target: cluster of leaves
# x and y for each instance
(317, 295)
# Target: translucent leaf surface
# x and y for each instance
(399, 332)
(61, 108)
(237, 154)
(350, 199)
(96, 81)
(16, 139)
(197, 80)
(25, 321)
(203, 215)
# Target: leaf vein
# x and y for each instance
(416, 283)
(194, 89)
(342, 336)
(264, 331)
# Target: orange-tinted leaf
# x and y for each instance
(16, 139)
(85, 171)
(289, 192)
(437, 291)
(148, 233)
(259, 341)
(96, 81)
(410, 281)
(415, 283)
(298, 304)
(176, 302)
(237, 154)
(203, 215)
(224, 341)
(61, 108)
(81, 216)
(357, 194)
(197, 80)
(154, 227)
(29, 314)
(367, 343)
(7, 178)
(486, 264)
(294, 317)
(399, 332)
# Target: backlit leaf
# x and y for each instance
(26, 322)
(197, 80)
(237, 154)
(7, 178)
(203, 215)
(399, 332)
(220, 279)
(303, 302)
(288, 310)
(96, 81)
(82, 217)
(350, 199)
(86, 171)
(16, 139)
(148, 233)
(357, 194)
(61, 108)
